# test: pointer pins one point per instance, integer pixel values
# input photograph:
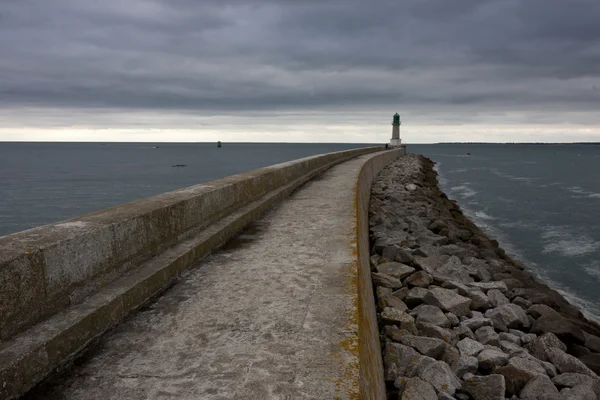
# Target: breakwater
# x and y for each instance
(459, 318)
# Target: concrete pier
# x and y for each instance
(284, 311)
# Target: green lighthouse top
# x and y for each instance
(396, 119)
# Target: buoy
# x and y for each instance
(219, 143)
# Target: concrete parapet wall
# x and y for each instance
(46, 269)
(372, 385)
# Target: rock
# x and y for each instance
(487, 286)
(592, 342)
(415, 389)
(431, 264)
(388, 300)
(511, 348)
(454, 270)
(550, 368)
(521, 302)
(419, 278)
(404, 256)
(489, 387)
(462, 289)
(395, 269)
(415, 296)
(465, 364)
(390, 373)
(453, 319)
(572, 379)
(476, 323)
(389, 253)
(518, 372)
(402, 356)
(479, 300)
(450, 355)
(469, 347)
(429, 347)
(540, 310)
(567, 363)
(580, 392)
(509, 337)
(448, 301)
(432, 315)
(540, 387)
(434, 331)
(464, 332)
(561, 327)
(527, 338)
(385, 280)
(578, 351)
(401, 293)
(508, 316)
(393, 316)
(512, 283)
(487, 335)
(516, 332)
(497, 298)
(411, 187)
(490, 358)
(383, 291)
(592, 361)
(445, 396)
(439, 374)
(539, 345)
(437, 226)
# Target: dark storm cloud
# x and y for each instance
(232, 56)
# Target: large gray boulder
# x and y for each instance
(435, 331)
(508, 316)
(465, 364)
(448, 301)
(540, 387)
(395, 269)
(518, 372)
(592, 342)
(469, 347)
(404, 357)
(566, 331)
(487, 286)
(454, 270)
(539, 345)
(461, 288)
(419, 278)
(567, 363)
(393, 316)
(512, 349)
(429, 347)
(579, 392)
(497, 298)
(476, 323)
(491, 358)
(479, 300)
(487, 335)
(489, 387)
(571, 380)
(438, 373)
(432, 315)
(450, 355)
(415, 296)
(386, 281)
(414, 389)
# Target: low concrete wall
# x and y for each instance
(46, 269)
(372, 385)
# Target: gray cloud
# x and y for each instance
(233, 56)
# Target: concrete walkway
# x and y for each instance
(270, 316)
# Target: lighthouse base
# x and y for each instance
(395, 142)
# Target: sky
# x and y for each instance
(299, 70)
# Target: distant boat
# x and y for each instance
(468, 154)
(156, 147)
(219, 143)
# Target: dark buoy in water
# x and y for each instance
(219, 143)
(468, 154)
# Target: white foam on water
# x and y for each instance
(577, 190)
(463, 191)
(595, 195)
(511, 177)
(483, 215)
(562, 241)
(593, 269)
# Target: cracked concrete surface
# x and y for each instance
(270, 316)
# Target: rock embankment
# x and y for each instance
(458, 318)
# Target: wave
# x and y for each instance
(463, 191)
(566, 243)
(483, 215)
(593, 269)
(511, 177)
(595, 195)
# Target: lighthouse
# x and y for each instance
(396, 141)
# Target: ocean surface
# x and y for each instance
(541, 202)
